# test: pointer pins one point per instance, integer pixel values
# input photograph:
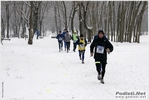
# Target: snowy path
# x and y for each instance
(41, 72)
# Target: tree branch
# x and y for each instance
(27, 3)
(22, 16)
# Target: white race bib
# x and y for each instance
(82, 46)
(100, 49)
(74, 41)
(60, 39)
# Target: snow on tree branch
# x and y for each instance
(27, 3)
(21, 13)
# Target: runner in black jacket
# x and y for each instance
(101, 46)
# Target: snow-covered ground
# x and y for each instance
(40, 71)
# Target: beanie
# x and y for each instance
(81, 35)
(100, 31)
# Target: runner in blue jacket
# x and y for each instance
(60, 38)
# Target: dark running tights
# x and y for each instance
(68, 45)
(81, 54)
(74, 46)
(60, 45)
(101, 67)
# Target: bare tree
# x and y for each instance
(74, 10)
(42, 10)
(36, 8)
(65, 14)
(30, 40)
(139, 21)
(7, 17)
(80, 19)
(2, 28)
(55, 14)
(16, 22)
(122, 21)
(89, 28)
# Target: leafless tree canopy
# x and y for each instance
(122, 21)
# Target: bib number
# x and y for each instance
(60, 39)
(74, 41)
(82, 46)
(100, 49)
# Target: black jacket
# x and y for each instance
(100, 45)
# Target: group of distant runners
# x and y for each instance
(65, 38)
(100, 46)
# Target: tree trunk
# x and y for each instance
(55, 13)
(123, 11)
(7, 16)
(100, 23)
(35, 16)
(22, 24)
(114, 22)
(85, 9)
(30, 41)
(42, 8)
(16, 33)
(133, 18)
(118, 23)
(80, 20)
(59, 16)
(72, 16)
(110, 20)
(105, 18)
(140, 20)
(65, 15)
(2, 28)
(94, 18)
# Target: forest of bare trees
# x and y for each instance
(122, 21)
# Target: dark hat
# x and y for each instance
(100, 31)
(81, 35)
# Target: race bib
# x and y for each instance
(60, 39)
(100, 49)
(74, 41)
(82, 46)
